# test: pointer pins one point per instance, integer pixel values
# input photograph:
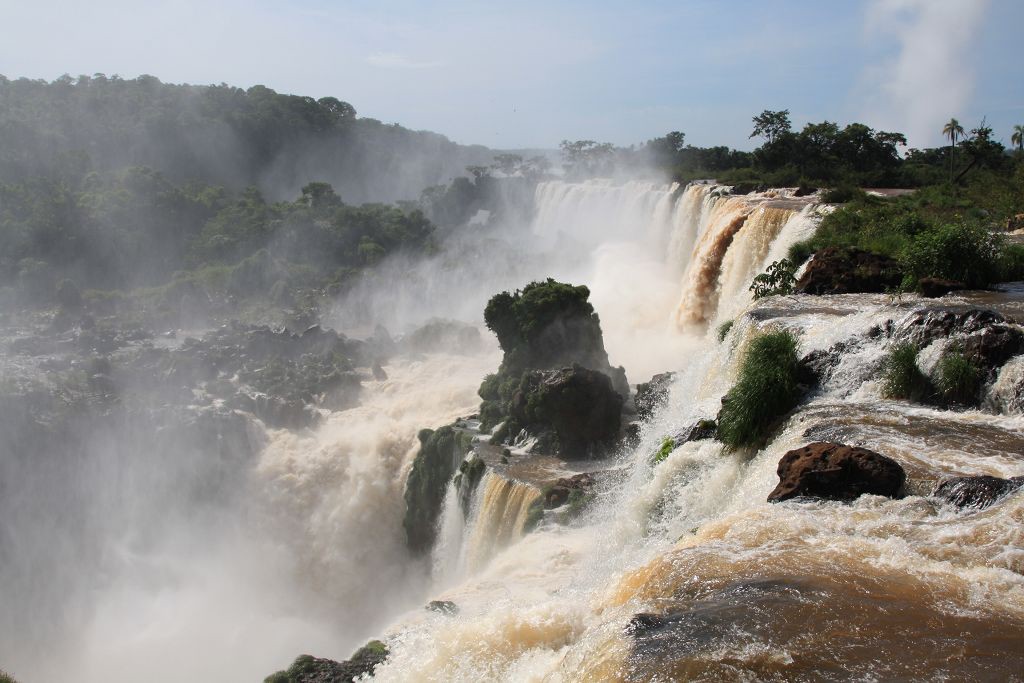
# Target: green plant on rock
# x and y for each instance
(777, 279)
(768, 387)
(901, 378)
(668, 445)
(723, 329)
(957, 379)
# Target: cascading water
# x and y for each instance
(739, 588)
(501, 514)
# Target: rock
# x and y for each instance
(576, 410)
(833, 471)
(976, 492)
(700, 430)
(309, 669)
(559, 493)
(378, 372)
(804, 190)
(747, 188)
(440, 453)
(442, 607)
(992, 346)
(849, 271)
(652, 395)
(1015, 223)
(924, 326)
(934, 287)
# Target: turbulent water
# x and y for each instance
(314, 560)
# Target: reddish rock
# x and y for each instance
(849, 271)
(833, 471)
(558, 494)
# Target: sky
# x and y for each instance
(529, 74)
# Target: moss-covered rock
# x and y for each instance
(574, 411)
(438, 459)
(309, 669)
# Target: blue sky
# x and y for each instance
(529, 74)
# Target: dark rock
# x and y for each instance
(576, 406)
(992, 346)
(471, 471)
(1014, 223)
(804, 190)
(652, 395)
(833, 471)
(378, 372)
(924, 326)
(558, 494)
(849, 271)
(439, 456)
(309, 669)
(976, 492)
(644, 623)
(934, 287)
(747, 188)
(442, 607)
(701, 430)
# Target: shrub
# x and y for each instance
(767, 388)
(841, 194)
(901, 376)
(723, 329)
(963, 252)
(1011, 263)
(957, 379)
(777, 279)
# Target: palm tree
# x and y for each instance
(951, 130)
(1018, 137)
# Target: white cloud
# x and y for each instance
(931, 77)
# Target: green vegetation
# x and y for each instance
(901, 378)
(668, 444)
(6, 678)
(962, 252)
(767, 388)
(778, 279)
(439, 456)
(723, 329)
(545, 325)
(957, 379)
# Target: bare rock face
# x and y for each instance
(849, 271)
(650, 396)
(976, 492)
(559, 493)
(832, 471)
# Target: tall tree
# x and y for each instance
(1018, 137)
(951, 130)
(771, 124)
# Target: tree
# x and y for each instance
(951, 130)
(771, 124)
(1018, 137)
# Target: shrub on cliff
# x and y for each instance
(768, 387)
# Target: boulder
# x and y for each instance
(574, 410)
(849, 271)
(652, 395)
(992, 346)
(934, 287)
(924, 326)
(558, 494)
(1014, 223)
(309, 669)
(442, 607)
(975, 492)
(833, 471)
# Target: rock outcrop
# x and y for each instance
(652, 395)
(832, 471)
(440, 453)
(976, 492)
(575, 412)
(309, 669)
(849, 271)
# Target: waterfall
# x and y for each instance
(504, 505)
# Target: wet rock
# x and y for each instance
(440, 453)
(747, 188)
(309, 669)
(575, 410)
(700, 430)
(924, 326)
(558, 494)
(849, 271)
(833, 471)
(804, 190)
(652, 395)
(992, 346)
(442, 607)
(976, 492)
(378, 372)
(934, 287)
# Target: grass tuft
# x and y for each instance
(901, 376)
